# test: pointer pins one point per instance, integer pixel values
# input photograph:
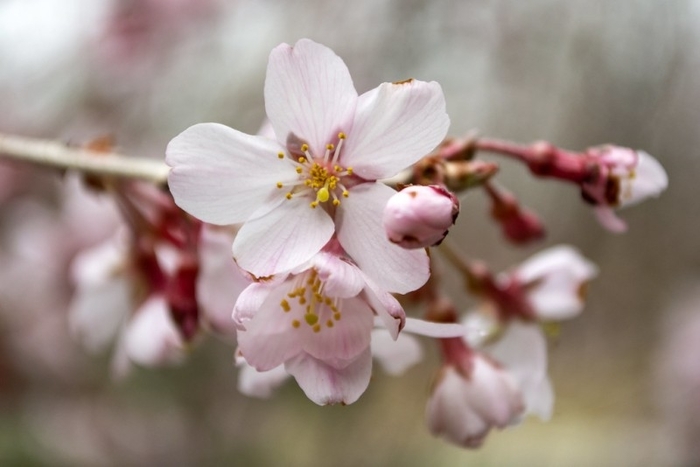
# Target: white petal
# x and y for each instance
(326, 385)
(522, 350)
(395, 356)
(221, 175)
(309, 95)
(262, 384)
(431, 329)
(283, 238)
(360, 232)
(649, 179)
(151, 338)
(395, 125)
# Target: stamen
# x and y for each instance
(336, 154)
(280, 184)
(280, 155)
(289, 195)
(296, 323)
(317, 328)
(299, 170)
(285, 305)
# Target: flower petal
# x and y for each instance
(649, 180)
(608, 219)
(522, 350)
(221, 175)
(325, 384)
(344, 339)
(270, 337)
(389, 311)
(395, 356)
(340, 278)
(151, 338)
(395, 125)
(309, 94)
(360, 232)
(282, 239)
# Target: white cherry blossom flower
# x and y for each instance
(319, 176)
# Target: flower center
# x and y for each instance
(307, 296)
(319, 177)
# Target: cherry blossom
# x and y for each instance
(318, 177)
(627, 177)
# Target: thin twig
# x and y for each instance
(56, 154)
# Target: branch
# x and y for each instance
(56, 154)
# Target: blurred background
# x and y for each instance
(577, 73)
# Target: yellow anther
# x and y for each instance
(296, 323)
(330, 147)
(280, 184)
(289, 195)
(280, 155)
(336, 316)
(317, 328)
(323, 194)
(304, 148)
(299, 170)
(313, 204)
(329, 323)
(302, 300)
(346, 193)
(310, 319)
(349, 169)
(302, 159)
(341, 135)
(285, 305)
(336, 202)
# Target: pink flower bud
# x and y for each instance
(463, 408)
(420, 216)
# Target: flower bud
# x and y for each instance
(420, 216)
(463, 409)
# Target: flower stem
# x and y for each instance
(58, 155)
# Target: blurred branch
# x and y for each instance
(56, 154)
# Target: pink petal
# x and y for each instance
(270, 338)
(389, 311)
(395, 356)
(608, 219)
(522, 350)
(309, 95)
(360, 232)
(249, 302)
(340, 278)
(283, 238)
(326, 385)
(345, 338)
(221, 175)
(151, 338)
(395, 125)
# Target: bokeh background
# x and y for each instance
(576, 73)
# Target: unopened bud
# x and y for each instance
(420, 216)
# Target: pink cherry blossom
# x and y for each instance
(464, 406)
(318, 177)
(627, 177)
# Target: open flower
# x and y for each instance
(318, 323)
(319, 176)
(627, 177)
